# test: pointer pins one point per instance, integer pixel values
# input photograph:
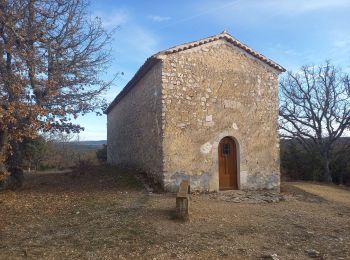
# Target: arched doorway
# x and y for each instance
(227, 164)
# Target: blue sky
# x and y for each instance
(290, 32)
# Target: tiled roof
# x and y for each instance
(223, 36)
(155, 58)
(138, 75)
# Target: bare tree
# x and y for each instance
(315, 109)
(52, 54)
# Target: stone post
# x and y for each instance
(182, 201)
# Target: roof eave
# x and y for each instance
(226, 36)
(149, 63)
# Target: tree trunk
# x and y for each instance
(3, 172)
(341, 178)
(327, 177)
(3, 152)
(9, 165)
(14, 165)
(16, 158)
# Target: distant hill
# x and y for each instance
(87, 145)
(91, 143)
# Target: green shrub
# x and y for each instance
(101, 154)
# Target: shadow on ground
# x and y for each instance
(98, 178)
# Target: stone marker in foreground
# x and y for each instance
(182, 201)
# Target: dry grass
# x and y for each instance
(329, 192)
(106, 214)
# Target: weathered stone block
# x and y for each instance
(182, 201)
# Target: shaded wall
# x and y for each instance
(134, 130)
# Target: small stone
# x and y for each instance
(173, 255)
(206, 148)
(209, 118)
(313, 253)
(272, 257)
(209, 124)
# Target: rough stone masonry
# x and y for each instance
(169, 119)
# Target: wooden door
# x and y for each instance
(227, 164)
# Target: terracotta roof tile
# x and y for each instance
(225, 36)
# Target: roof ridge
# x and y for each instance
(226, 36)
(166, 51)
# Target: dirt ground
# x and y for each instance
(106, 214)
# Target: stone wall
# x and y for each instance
(212, 91)
(134, 127)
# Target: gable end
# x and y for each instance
(151, 61)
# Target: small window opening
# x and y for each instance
(226, 149)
